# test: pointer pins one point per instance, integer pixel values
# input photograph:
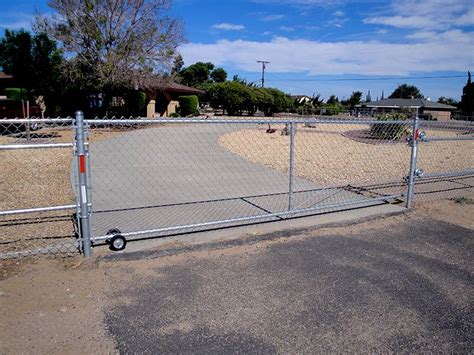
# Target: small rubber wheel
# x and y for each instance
(114, 231)
(117, 242)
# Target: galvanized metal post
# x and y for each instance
(292, 165)
(82, 188)
(414, 146)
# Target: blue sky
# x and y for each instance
(322, 46)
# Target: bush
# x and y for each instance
(175, 115)
(390, 131)
(188, 105)
(136, 102)
(15, 93)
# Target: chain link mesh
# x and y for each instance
(156, 177)
(36, 176)
(446, 156)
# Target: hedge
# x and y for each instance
(188, 105)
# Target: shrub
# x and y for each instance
(136, 102)
(15, 93)
(175, 115)
(389, 131)
(188, 105)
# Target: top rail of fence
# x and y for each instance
(230, 120)
(37, 120)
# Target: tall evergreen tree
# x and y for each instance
(368, 98)
(467, 99)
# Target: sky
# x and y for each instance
(321, 46)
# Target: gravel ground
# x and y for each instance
(38, 178)
(326, 157)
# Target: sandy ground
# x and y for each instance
(53, 306)
(39, 178)
(324, 156)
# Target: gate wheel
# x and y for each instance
(117, 242)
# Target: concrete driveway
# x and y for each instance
(402, 286)
(178, 175)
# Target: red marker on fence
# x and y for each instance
(82, 164)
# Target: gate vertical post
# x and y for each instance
(82, 188)
(414, 152)
(292, 165)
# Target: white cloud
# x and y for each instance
(403, 21)
(270, 18)
(337, 22)
(350, 57)
(338, 13)
(228, 27)
(426, 14)
(287, 29)
(322, 3)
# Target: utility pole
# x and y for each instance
(263, 70)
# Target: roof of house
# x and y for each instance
(412, 103)
(175, 87)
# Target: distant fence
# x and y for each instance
(69, 184)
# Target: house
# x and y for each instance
(426, 108)
(301, 99)
(164, 101)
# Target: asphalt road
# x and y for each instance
(401, 289)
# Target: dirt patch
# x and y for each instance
(54, 307)
(449, 211)
(39, 178)
(325, 156)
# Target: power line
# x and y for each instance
(274, 78)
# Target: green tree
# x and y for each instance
(197, 73)
(448, 101)
(201, 73)
(333, 99)
(317, 101)
(467, 99)
(35, 63)
(16, 57)
(219, 75)
(405, 91)
(230, 96)
(355, 98)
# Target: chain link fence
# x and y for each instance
(141, 178)
(37, 204)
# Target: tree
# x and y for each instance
(448, 101)
(368, 97)
(201, 73)
(333, 99)
(219, 75)
(355, 98)
(467, 99)
(405, 91)
(34, 62)
(197, 73)
(317, 101)
(114, 42)
(178, 65)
